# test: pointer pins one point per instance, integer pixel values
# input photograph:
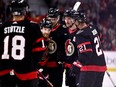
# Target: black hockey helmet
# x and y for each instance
(18, 7)
(46, 23)
(68, 13)
(80, 15)
(53, 12)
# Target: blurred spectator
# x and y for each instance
(1, 11)
(99, 12)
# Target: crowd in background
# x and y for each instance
(99, 12)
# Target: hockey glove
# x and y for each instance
(75, 69)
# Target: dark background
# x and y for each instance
(99, 12)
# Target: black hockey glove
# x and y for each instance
(75, 69)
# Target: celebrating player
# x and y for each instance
(56, 49)
(91, 59)
(21, 46)
(70, 47)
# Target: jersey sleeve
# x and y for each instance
(99, 33)
(39, 44)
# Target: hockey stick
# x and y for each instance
(76, 6)
(111, 79)
(47, 81)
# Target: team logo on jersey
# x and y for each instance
(52, 47)
(69, 47)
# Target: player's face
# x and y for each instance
(46, 32)
(54, 21)
(76, 23)
(68, 21)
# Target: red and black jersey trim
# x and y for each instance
(95, 68)
(87, 44)
(39, 48)
(4, 72)
(51, 64)
(67, 65)
(39, 40)
(72, 31)
(53, 29)
(27, 76)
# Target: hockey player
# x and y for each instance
(56, 49)
(70, 47)
(45, 27)
(21, 47)
(91, 59)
